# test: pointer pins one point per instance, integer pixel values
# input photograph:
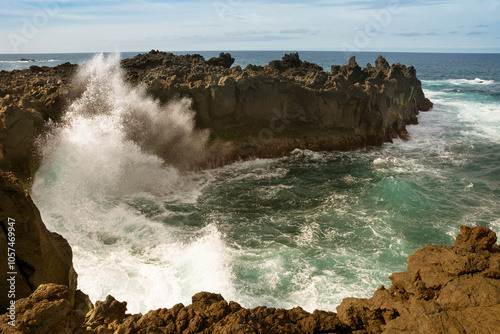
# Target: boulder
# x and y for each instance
(224, 60)
(446, 289)
(479, 236)
(41, 256)
(47, 310)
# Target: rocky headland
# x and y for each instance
(258, 111)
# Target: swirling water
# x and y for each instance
(308, 229)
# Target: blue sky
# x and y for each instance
(48, 26)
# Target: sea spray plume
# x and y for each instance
(98, 186)
(117, 139)
(167, 131)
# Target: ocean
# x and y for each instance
(308, 229)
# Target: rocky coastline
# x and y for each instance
(253, 112)
(260, 111)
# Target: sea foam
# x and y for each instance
(115, 146)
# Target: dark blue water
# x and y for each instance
(430, 66)
(308, 229)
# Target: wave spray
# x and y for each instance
(114, 159)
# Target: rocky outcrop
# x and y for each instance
(48, 310)
(256, 112)
(446, 289)
(208, 313)
(28, 99)
(290, 99)
(40, 256)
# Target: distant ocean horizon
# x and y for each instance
(325, 59)
(307, 229)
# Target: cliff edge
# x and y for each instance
(260, 111)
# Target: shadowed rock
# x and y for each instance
(224, 60)
(41, 256)
(260, 111)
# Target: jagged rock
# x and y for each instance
(208, 313)
(225, 60)
(41, 256)
(479, 236)
(28, 99)
(260, 111)
(381, 63)
(446, 289)
(47, 310)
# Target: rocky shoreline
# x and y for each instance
(253, 112)
(446, 289)
(260, 111)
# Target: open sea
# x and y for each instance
(307, 229)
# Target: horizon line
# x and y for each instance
(235, 50)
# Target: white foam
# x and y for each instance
(97, 164)
(480, 118)
(458, 82)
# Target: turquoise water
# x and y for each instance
(308, 229)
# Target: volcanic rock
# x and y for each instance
(28, 99)
(40, 256)
(260, 111)
(47, 310)
(446, 289)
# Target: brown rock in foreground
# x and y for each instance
(41, 256)
(47, 311)
(446, 289)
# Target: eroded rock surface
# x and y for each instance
(446, 289)
(40, 256)
(288, 103)
(49, 310)
(28, 99)
(256, 112)
(208, 313)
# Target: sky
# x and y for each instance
(53, 26)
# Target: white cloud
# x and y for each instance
(251, 24)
